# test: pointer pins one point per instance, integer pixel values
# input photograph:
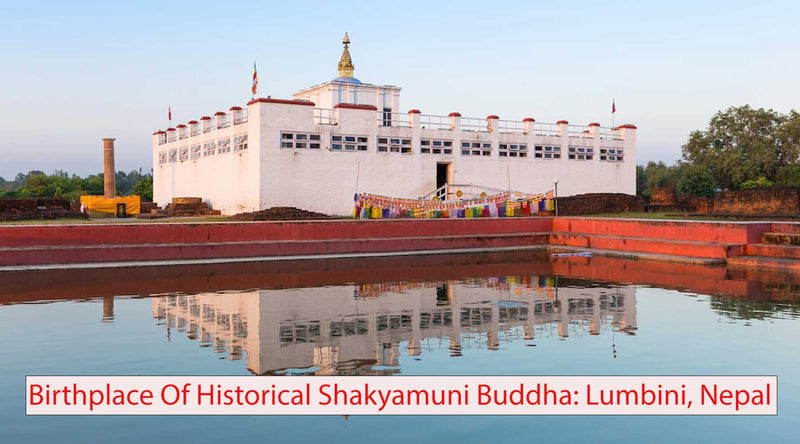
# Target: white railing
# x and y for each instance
(428, 121)
(577, 131)
(224, 123)
(609, 134)
(389, 118)
(241, 118)
(545, 129)
(324, 116)
(473, 124)
(195, 132)
(511, 126)
(468, 191)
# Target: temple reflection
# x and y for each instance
(364, 329)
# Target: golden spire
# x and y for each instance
(346, 63)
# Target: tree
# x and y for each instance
(641, 180)
(758, 183)
(661, 175)
(742, 144)
(788, 176)
(144, 189)
(696, 181)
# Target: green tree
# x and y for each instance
(788, 176)
(144, 189)
(661, 175)
(742, 144)
(696, 181)
(758, 183)
(641, 180)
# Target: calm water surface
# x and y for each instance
(538, 317)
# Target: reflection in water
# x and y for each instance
(358, 329)
(743, 309)
(108, 310)
(309, 318)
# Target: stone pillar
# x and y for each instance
(455, 121)
(109, 173)
(491, 123)
(413, 118)
(563, 130)
(527, 125)
(594, 130)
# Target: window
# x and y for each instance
(580, 153)
(195, 154)
(183, 154)
(428, 146)
(173, 156)
(476, 149)
(209, 148)
(611, 155)
(389, 145)
(387, 117)
(300, 140)
(348, 143)
(224, 146)
(513, 150)
(240, 143)
(547, 152)
(162, 158)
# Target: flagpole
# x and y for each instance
(613, 110)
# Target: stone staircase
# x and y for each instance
(678, 241)
(777, 248)
(759, 244)
(209, 242)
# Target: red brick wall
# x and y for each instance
(598, 203)
(18, 205)
(758, 201)
(663, 196)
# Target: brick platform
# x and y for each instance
(683, 241)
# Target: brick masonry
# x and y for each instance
(598, 203)
(781, 201)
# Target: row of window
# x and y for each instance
(208, 149)
(435, 146)
(612, 155)
(392, 145)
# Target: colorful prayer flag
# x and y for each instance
(255, 79)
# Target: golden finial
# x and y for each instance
(346, 66)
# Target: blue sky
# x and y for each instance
(75, 72)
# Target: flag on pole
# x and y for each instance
(255, 79)
(613, 106)
(169, 113)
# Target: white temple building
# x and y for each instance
(344, 136)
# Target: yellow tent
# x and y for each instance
(105, 205)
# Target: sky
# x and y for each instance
(75, 72)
